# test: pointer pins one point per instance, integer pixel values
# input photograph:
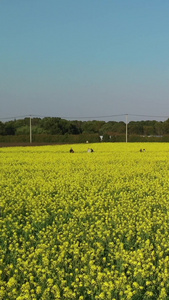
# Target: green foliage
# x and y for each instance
(9, 128)
(119, 127)
(66, 131)
(2, 129)
(23, 130)
(135, 128)
(166, 126)
(21, 122)
(67, 138)
(107, 127)
(51, 139)
(106, 138)
(92, 126)
(14, 139)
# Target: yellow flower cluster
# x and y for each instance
(84, 226)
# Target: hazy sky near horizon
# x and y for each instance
(75, 59)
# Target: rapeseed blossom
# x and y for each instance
(84, 226)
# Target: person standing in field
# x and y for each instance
(90, 150)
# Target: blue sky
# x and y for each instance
(75, 59)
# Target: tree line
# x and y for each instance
(59, 126)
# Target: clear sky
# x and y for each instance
(90, 58)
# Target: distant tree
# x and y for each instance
(159, 128)
(106, 138)
(21, 122)
(58, 126)
(148, 130)
(92, 126)
(75, 127)
(23, 130)
(63, 125)
(166, 126)
(107, 128)
(50, 125)
(2, 128)
(149, 127)
(35, 121)
(10, 128)
(54, 125)
(135, 128)
(119, 127)
(37, 130)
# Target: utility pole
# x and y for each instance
(30, 131)
(126, 126)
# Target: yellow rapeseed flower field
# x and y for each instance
(84, 226)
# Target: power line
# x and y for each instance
(64, 117)
(86, 117)
(16, 117)
(95, 117)
(148, 116)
